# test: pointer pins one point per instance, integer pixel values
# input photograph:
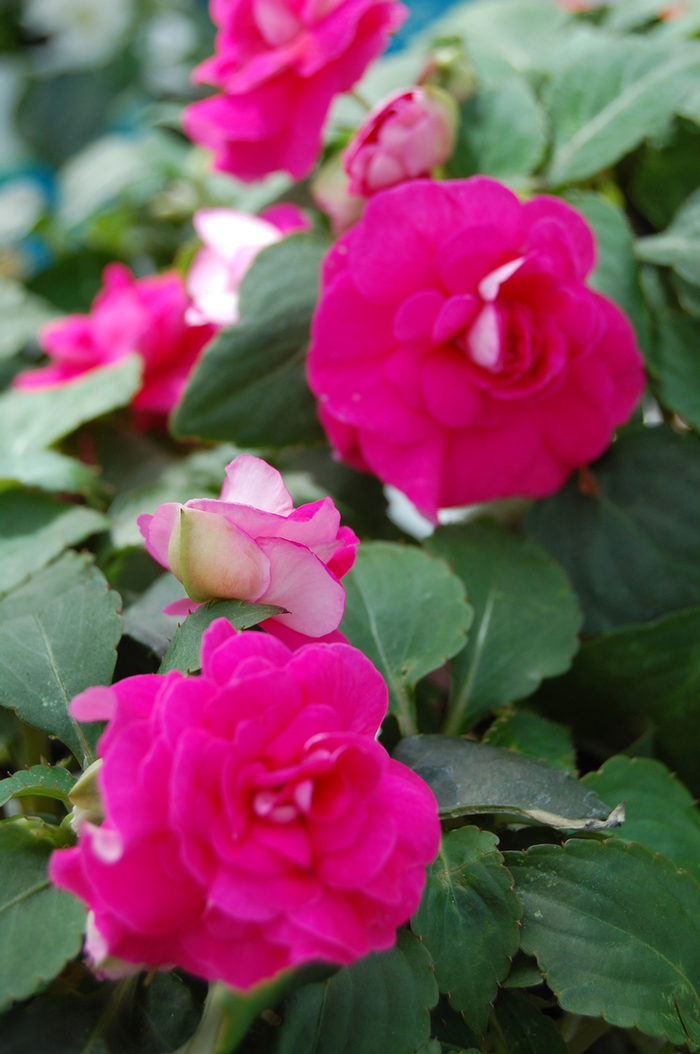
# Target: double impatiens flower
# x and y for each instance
(251, 820)
(252, 544)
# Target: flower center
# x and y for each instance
(283, 804)
(488, 335)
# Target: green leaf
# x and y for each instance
(21, 314)
(469, 906)
(616, 932)
(676, 366)
(535, 736)
(616, 274)
(37, 781)
(58, 636)
(407, 612)
(664, 176)
(470, 779)
(503, 132)
(524, 973)
(144, 620)
(526, 618)
(165, 1013)
(41, 927)
(230, 1012)
(250, 384)
(679, 245)
(652, 668)
(450, 1028)
(659, 811)
(379, 1005)
(53, 1023)
(34, 529)
(610, 99)
(630, 552)
(526, 1029)
(30, 421)
(183, 653)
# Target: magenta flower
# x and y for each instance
(456, 351)
(232, 240)
(279, 63)
(252, 544)
(252, 821)
(405, 136)
(144, 315)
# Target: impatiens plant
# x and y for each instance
(349, 559)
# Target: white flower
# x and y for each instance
(82, 33)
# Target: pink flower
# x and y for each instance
(232, 240)
(252, 821)
(457, 353)
(279, 63)
(146, 315)
(252, 544)
(405, 136)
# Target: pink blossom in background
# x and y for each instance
(405, 136)
(279, 63)
(252, 544)
(456, 351)
(232, 240)
(252, 822)
(144, 315)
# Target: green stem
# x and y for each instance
(406, 710)
(358, 99)
(228, 1015)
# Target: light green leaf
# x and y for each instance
(676, 366)
(503, 132)
(34, 529)
(30, 421)
(41, 927)
(535, 736)
(468, 921)
(659, 811)
(679, 245)
(526, 618)
(470, 779)
(616, 274)
(407, 612)
(250, 384)
(38, 781)
(21, 314)
(630, 552)
(144, 620)
(616, 932)
(183, 653)
(379, 1005)
(609, 100)
(58, 636)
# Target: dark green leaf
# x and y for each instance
(468, 921)
(58, 636)
(41, 927)
(665, 176)
(535, 736)
(37, 781)
(676, 367)
(617, 273)
(679, 245)
(524, 973)
(632, 552)
(659, 812)
(469, 779)
(526, 618)
(183, 652)
(165, 1014)
(250, 385)
(406, 611)
(34, 529)
(616, 932)
(610, 99)
(449, 1027)
(503, 132)
(379, 1005)
(526, 1029)
(55, 1024)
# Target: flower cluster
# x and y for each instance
(251, 819)
(278, 64)
(457, 353)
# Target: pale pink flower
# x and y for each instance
(252, 544)
(405, 136)
(232, 240)
(252, 821)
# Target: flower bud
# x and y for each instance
(85, 798)
(215, 559)
(405, 136)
